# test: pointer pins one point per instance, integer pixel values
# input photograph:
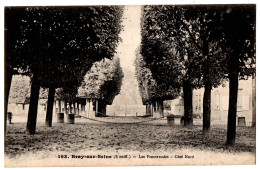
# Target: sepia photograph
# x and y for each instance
(129, 85)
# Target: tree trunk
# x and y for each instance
(232, 109)
(154, 107)
(253, 102)
(148, 109)
(105, 109)
(207, 108)
(157, 106)
(78, 108)
(96, 107)
(59, 106)
(65, 106)
(49, 113)
(70, 108)
(74, 108)
(32, 113)
(8, 81)
(83, 107)
(151, 109)
(102, 107)
(89, 105)
(160, 107)
(187, 92)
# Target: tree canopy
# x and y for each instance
(102, 81)
(63, 40)
(149, 89)
(20, 90)
(181, 43)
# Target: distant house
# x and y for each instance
(220, 101)
(19, 97)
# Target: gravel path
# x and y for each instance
(149, 137)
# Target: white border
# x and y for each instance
(118, 2)
(113, 2)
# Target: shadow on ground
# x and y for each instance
(146, 137)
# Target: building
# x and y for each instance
(220, 101)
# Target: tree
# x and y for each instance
(112, 86)
(14, 64)
(169, 65)
(149, 89)
(239, 46)
(201, 28)
(191, 32)
(102, 83)
(65, 45)
(210, 46)
(211, 30)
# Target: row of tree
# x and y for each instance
(198, 46)
(152, 93)
(56, 46)
(102, 83)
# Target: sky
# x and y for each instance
(131, 39)
(131, 36)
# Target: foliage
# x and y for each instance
(186, 39)
(102, 81)
(149, 89)
(198, 41)
(59, 44)
(240, 44)
(167, 104)
(66, 93)
(162, 60)
(13, 62)
(200, 27)
(112, 86)
(20, 90)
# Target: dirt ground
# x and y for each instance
(146, 137)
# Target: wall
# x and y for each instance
(219, 102)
